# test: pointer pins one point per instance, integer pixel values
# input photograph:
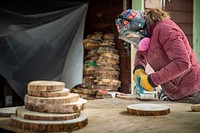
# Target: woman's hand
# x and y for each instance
(144, 82)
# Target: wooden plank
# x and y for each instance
(125, 62)
(186, 28)
(190, 38)
(179, 5)
(181, 17)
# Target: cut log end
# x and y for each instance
(57, 108)
(32, 115)
(45, 86)
(72, 97)
(49, 126)
(148, 109)
(62, 93)
(196, 108)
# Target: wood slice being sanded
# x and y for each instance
(57, 108)
(49, 126)
(72, 97)
(62, 93)
(32, 115)
(148, 109)
(45, 86)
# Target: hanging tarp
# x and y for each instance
(42, 46)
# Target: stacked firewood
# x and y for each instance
(101, 66)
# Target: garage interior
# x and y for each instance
(106, 113)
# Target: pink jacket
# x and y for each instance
(171, 57)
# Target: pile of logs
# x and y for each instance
(101, 66)
(50, 107)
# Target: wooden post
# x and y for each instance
(136, 5)
(196, 31)
(124, 5)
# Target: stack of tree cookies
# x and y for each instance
(107, 73)
(90, 68)
(49, 107)
(91, 44)
(101, 69)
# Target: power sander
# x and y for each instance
(143, 94)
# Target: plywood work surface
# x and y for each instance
(111, 116)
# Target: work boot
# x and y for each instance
(194, 99)
(197, 98)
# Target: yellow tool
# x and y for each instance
(143, 94)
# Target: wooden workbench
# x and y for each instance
(110, 116)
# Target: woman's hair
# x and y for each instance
(156, 15)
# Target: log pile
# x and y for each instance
(50, 107)
(101, 66)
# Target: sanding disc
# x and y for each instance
(148, 109)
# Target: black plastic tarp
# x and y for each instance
(42, 46)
